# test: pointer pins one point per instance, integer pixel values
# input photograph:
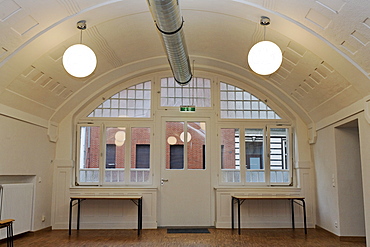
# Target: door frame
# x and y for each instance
(162, 161)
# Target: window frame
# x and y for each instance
(102, 152)
(266, 154)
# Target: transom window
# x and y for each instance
(197, 92)
(237, 103)
(131, 102)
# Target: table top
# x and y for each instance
(108, 197)
(267, 197)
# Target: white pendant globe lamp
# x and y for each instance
(79, 60)
(265, 57)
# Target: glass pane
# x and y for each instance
(131, 102)
(279, 149)
(175, 145)
(230, 155)
(197, 92)
(115, 154)
(254, 155)
(140, 155)
(196, 144)
(237, 103)
(89, 154)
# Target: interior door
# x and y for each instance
(185, 192)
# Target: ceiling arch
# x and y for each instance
(325, 44)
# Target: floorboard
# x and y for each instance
(160, 237)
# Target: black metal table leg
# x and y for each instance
(232, 213)
(238, 200)
(9, 234)
(293, 222)
(304, 216)
(78, 213)
(140, 216)
(70, 216)
(303, 205)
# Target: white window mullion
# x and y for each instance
(128, 155)
(243, 168)
(267, 155)
(102, 155)
(185, 145)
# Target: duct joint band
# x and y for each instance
(170, 33)
(183, 83)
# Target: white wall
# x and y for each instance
(26, 156)
(349, 181)
(327, 195)
(273, 215)
(333, 149)
(364, 128)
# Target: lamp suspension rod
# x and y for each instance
(265, 21)
(82, 26)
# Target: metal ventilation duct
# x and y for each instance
(168, 19)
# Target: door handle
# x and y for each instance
(163, 180)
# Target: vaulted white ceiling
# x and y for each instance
(325, 44)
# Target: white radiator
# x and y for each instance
(17, 204)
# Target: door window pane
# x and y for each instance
(89, 154)
(230, 155)
(177, 157)
(196, 144)
(175, 138)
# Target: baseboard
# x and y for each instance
(345, 238)
(43, 229)
(352, 239)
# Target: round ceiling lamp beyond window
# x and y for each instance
(171, 140)
(265, 57)
(79, 60)
(182, 137)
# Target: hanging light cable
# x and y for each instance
(265, 57)
(79, 60)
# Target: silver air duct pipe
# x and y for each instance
(168, 19)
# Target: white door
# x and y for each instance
(185, 192)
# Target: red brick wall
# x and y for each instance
(142, 136)
(93, 153)
(228, 141)
(138, 136)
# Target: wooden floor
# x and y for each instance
(160, 237)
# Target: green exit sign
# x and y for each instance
(187, 108)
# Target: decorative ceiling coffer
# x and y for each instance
(169, 22)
